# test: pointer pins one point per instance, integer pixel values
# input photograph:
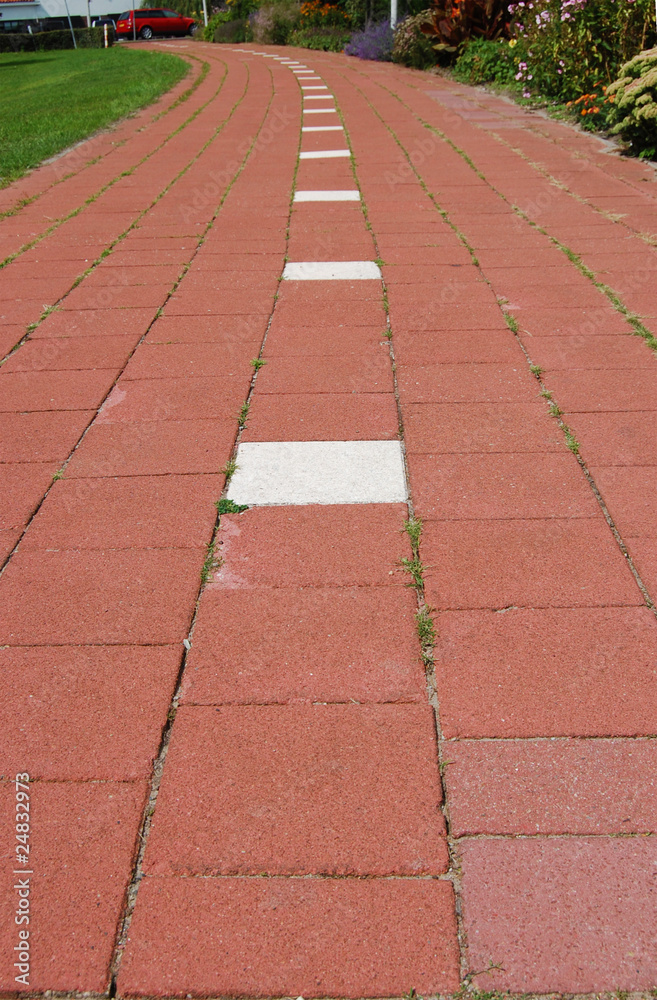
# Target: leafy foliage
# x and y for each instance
(373, 42)
(225, 30)
(235, 13)
(483, 61)
(455, 22)
(362, 12)
(43, 41)
(273, 23)
(412, 47)
(633, 108)
(225, 506)
(320, 39)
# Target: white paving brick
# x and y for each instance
(276, 473)
(327, 196)
(322, 128)
(332, 270)
(324, 154)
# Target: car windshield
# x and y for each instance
(124, 17)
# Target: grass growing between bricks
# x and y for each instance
(52, 100)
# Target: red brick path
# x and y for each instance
(244, 780)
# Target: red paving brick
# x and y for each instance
(314, 644)
(84, 838)
(456, 487)
(367, 416)
(566, 915)
(612, 391)
(351, 373)
(466, 384)
(96, 323)
(549, 672)
(285, 937)
(176, 399)
(449, 347)
(339, 546)
(338, 341)
(8, 539)
(616, 438)
(628, 495)
(460, 428)
(109, 596)
(567, 353)
(340, 790)
(41, 436)
(536, 563)
(53, 390)
(544, 322)
(86, 712)
(22, 487)
(74, 353)
(179, 361)
(644, 555)
(305, 742)
(551, 786)
(122, 513)
(154, 447)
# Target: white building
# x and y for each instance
(12, 11)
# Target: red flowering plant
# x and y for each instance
(452, 23)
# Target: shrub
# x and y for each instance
(632, 110)
(455, 22)
(234, 11)
(373, 42)
(483, 61)
(327, 40)
(43, 41)
(411, 46)
(228, 31)
(188, 8)
(272, 24)
(569, 48)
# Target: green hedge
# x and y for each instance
(230, 31)
(42, 41)
(329, 40)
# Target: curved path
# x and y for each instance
(392, 726)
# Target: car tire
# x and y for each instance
(193, 28)
(146, 32)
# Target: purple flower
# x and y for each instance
(373, 42)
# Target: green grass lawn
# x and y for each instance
(51, 100)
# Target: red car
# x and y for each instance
(154, 21)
